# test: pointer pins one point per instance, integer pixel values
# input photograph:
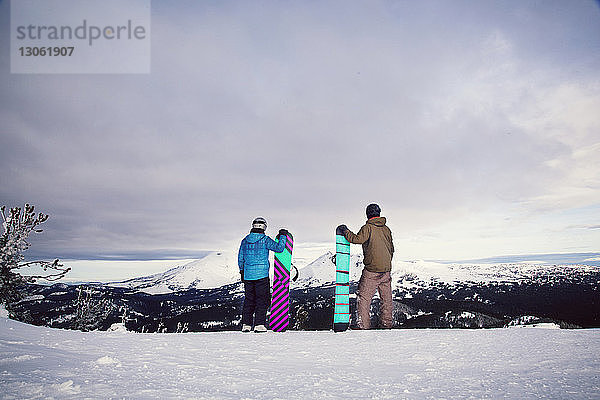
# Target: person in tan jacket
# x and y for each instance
(378, 250)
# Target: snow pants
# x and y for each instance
(368, 284)
(257, 298)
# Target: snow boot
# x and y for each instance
(246, 328)
(260, 329)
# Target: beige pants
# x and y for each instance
(369, 283)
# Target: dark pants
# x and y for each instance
(257, 298)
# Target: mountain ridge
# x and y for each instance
(220, 268)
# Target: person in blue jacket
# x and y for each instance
(253, 260)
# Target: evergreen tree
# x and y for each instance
(92, 309)
(17, 225)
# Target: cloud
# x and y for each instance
(304, 113)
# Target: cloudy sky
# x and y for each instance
(475, 126)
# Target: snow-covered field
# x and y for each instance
(517, 363)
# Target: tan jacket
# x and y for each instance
(376, 240)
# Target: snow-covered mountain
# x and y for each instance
(215, 270)
(419, 274)
(426, 274)
(220, 268)
(322, 270)
(426, 295)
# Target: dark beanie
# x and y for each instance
(373, 210)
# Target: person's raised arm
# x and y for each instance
(362, 236)
(277, 247)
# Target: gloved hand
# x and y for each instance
(242, 275)
(342, 228)
(282, 232)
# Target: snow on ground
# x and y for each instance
(38, 362)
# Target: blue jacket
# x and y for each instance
(253, 257)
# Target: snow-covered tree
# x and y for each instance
(92, 309)
(17, 225)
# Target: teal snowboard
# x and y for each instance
(341, 313)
